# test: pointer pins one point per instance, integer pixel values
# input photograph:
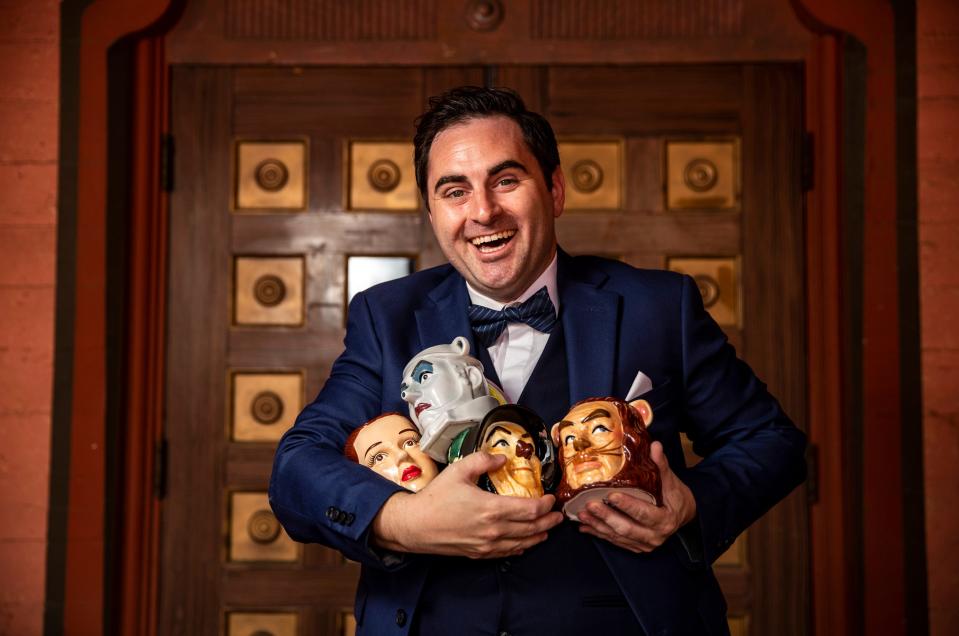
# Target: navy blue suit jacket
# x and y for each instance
(617, 320)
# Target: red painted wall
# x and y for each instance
(937, 60)
(29, 102)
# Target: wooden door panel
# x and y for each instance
(326, 107)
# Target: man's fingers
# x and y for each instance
(641, 511)
(475, 464)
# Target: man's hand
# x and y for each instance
(453, 516)
(637, 525)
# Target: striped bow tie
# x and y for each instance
(537, 311)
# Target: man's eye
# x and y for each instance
(599, 428)
(507, 181)
(569, 439)
(502, 443)
(455, 194)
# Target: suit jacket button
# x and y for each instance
(331, 513)
(340, 516)
(400, 617)
(349, 519)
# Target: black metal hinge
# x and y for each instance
(812, 472)
(166, 162)
(808, 162)
(160, 457)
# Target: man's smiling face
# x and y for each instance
(492, 211)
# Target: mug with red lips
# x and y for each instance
(603, 445)
(389, 445)
(519, 434)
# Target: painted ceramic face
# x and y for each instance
(492, 211)
(591, 437)
(390, 446)
(436, 383)
(521, 475)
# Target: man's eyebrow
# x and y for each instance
(493, 430)
(595, 414)
(503, 165)
(449, 178)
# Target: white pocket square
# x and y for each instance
(640, 385)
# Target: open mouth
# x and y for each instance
(422, 406)
(492, 242)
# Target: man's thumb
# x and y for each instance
(659, 458)
(475, 464)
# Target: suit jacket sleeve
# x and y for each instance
(753, 454)
(316, 493)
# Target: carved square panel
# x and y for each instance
(381, 176)
(271, 175)
(735, 556)
(362, 272)
(702, 174)
(593, 172)
(268, 290)
(718, 281)
(348, 621)
(265, 405)
(255, 534)
(738, 625)
(261, 623)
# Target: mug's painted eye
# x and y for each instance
(424, 376)
(411, 442)
(377, 458)
(569, 439)
(502, 443)
(599, 428)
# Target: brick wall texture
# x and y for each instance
(937, 59)
(29, 102)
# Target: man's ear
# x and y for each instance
(558, 191)
(554, 433)
(644, 409)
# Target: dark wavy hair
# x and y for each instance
(471, 102)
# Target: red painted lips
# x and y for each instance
(411, 472)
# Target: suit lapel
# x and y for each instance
(589, 315)
(443, 316)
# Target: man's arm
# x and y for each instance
(753, 454)
(321, 496)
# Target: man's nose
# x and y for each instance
(485, 207)
(581, 444)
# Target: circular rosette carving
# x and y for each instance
(709, 289)
(586, 175)
(383, 175)
(263, 527)
(700, 175)
(269, 290)
(267, 407)
(484, 15)
(271, 174)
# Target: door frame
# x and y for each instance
(850, 545)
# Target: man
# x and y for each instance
(489, 173)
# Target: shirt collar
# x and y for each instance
(547, 279)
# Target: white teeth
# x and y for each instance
(489, 238)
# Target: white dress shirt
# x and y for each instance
(517, 350)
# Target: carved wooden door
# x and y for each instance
(293, 189)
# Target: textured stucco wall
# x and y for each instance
(937, 60)
(29, 102)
